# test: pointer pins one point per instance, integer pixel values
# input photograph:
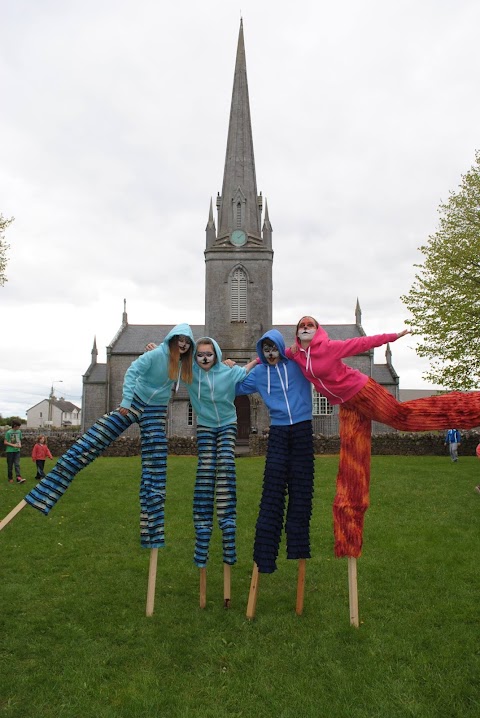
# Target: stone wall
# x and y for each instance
(400, 444)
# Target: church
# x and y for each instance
(238, 298)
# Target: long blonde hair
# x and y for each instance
(185, 361)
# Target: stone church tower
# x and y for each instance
(238, 298)
(239, 256)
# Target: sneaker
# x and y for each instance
(20, 480)
(477, 488)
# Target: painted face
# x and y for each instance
(306, 329)
(184, 343)
(205, 356)
(270, 352)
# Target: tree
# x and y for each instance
(3, 248)
(444, 300)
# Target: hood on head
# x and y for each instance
(218, 351)
(275, 337)
(319, 336)
(177, 330)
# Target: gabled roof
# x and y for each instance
(65, 406)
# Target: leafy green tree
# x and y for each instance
(3, 248)
(444, 300)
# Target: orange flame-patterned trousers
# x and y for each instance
(373, 402)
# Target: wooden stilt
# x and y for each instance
(152, 579)
(353, 591)
(252, 596)
(302, 564)
(12, 514)
(227, 571)
(203, 587)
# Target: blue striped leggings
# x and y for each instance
(109, 427)
(215, 479)
(289, 469)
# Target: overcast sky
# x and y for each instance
(112, 141)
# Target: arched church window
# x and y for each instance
(239, 214)
(238, 295)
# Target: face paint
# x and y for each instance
(183, 343)
(306, 333)
(205, 358)
(270, 352)
(306, 329)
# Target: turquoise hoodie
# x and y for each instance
(147, 376)
(212, 392)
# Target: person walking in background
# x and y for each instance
(452, 440)
(13, 443)
(40, 453)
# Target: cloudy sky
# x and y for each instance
(112, 141)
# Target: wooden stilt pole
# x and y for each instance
(302, 564)
(353, 591)
(152, 579)
(12, 514)
(252, 596)
(203, 587)
(227, 571)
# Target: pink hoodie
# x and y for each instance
(321, 363)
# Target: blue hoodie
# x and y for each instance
(212, 392)
(147, 376)
(283, 388)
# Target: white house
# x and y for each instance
(53, 412)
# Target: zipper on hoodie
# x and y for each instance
(283, 387)
(308, 368)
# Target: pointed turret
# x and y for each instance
(124, 315)
(210, 228)
(239, 207)
(267, 228)
(94, 351)
(358, 314)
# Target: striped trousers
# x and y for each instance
(215, 482)
(289, 469)
(151, 420)
(373, 402)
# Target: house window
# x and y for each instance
(321, 407)
(238, 296)
(41, 415)
(189, 415)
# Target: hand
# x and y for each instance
(121, 410)
(150, 346)
(229, 362)
(294, 349)
(402, 334)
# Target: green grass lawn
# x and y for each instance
(75, 641)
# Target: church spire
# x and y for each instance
(239, 206)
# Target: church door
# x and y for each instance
(242, 404)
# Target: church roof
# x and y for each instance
(134, 337)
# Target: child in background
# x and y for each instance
(40, 453)
(13, 444)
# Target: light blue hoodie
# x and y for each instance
(212, 392)
(147, 376)
(283, 388)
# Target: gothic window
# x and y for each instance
(189, 415)
(321, 407)
(238, 295)
(239, 214)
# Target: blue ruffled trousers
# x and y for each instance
(151, 420)
(289, 471)
(215, 483)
